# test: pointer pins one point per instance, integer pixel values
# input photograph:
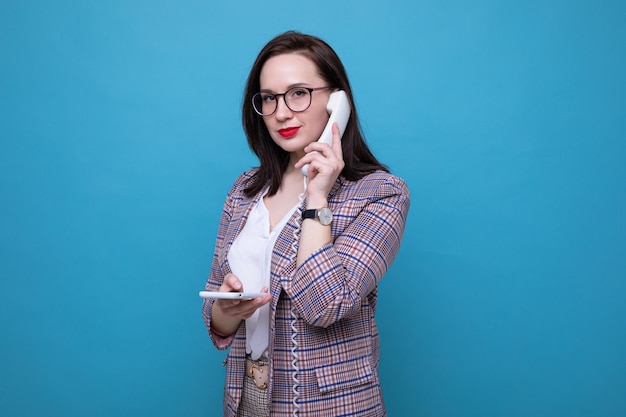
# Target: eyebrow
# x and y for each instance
(289, 87)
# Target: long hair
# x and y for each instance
(359, 160)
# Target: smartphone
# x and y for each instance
(231, 295)
(338, 108)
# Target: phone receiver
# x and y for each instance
(338, 108)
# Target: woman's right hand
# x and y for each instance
(237, 310)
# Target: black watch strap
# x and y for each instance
(309, 214)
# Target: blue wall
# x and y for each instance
(120, 136)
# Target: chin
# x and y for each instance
(292, 145)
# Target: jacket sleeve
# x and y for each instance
(216, 276)
(332, 283)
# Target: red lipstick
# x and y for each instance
(288, 132)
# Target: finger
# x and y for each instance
(246, 308)
(337, 140)
(231, 283)
(336, 133)
(306, 159)
(228, 307)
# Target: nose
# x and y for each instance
(282, 111)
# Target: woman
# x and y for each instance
(310, 345)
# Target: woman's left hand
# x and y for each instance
(326, 165)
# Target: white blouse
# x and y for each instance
(250, 258)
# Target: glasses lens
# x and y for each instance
(264, 103)
(298, 99)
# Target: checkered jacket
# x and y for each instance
(332, 294)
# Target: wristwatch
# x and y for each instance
(323, 215)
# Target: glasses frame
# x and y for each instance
(309, 89)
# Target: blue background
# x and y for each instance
(120, 136)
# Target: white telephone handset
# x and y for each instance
(338, 108)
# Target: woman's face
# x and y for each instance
(290, 130)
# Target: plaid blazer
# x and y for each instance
(332, 295)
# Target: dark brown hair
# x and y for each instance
(359, 160)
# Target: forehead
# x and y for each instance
(285, 70)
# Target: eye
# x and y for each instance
(268, 98)
(298, 92)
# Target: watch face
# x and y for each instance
(325, 216)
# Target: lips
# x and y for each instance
(288, 132)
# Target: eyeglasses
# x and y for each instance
(297, 99)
